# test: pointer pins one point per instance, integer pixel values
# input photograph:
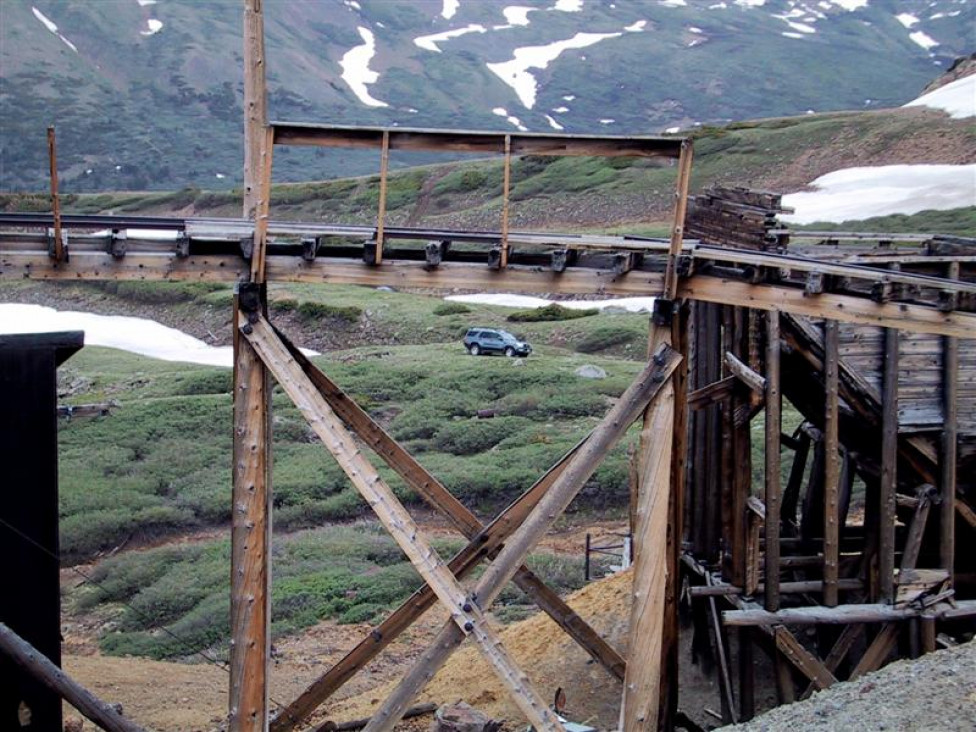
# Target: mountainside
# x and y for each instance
(147, 94)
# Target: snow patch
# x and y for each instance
(568, 6)
(923, 39)
(515, 73)
(851, 5)
(790, 34)
(958, 98)
(507, 300)
(450, 7)
(607, 121)
(356, 72)
(145, 3)
(51, 26)
(517, 14)
(906, 19)
(554, 124)
(636, 27)
(673, 3)
(860, 193)
(561, 110)
(430, 42)
(154, 27)
(672, 131)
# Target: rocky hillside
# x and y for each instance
(147, 94)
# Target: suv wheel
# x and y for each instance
(509, 351)
(474, 350)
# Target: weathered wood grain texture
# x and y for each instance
(250, 544)
(889, 468)
(772, 492)
(39, 666)
(381, 206)
(831, 463)
(678, 223)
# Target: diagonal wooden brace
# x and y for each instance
(465, 613)
(581, 466)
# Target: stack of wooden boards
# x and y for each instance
(738, 218)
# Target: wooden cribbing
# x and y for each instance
(949, 449)
(465, 613)
(41, 668)
(484, 541)
(581, 466)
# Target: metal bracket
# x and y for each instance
(663, 312)
(117, 243)
(495, 257)
(249, 297)
(369, 251)
(247, 247)
(310, 247)
(182, 245)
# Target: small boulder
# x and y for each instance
(462, 717)
(590, 371)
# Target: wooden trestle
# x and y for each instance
(873, 341)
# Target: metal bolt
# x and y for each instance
(467, 607)
(247, 329)
(469, 626)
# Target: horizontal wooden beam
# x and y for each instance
(483, 143)
(845, 308)
(841, 615)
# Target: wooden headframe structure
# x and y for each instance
(871, 341)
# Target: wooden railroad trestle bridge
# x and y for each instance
(872, 338)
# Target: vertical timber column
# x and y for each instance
(831, 463)
(678, 226)
(773, 478)
(381, 217)
(641, 698)
(889, 467)
(949, 456)
(52, 152)
(250, 517)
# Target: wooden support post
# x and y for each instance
(581, 466)
(381, 214)
(678, 225)
(831, 463)
(52, 152)
(250, 539)
(37, 664)
(465, 613)
(889, 468)
(506, 189)
(641, 697)
(773, 428)
(950, 445)
(251, 500)
(668, 686)
(729, 711)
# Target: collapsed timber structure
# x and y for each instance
(872, 338)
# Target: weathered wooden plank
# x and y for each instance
(831, 463)
(506, 191)
(678, 222)
(889, 469)
(52, 151)
(949, 448)
(465, 614)
(641, 695)
(41, 668)
(745, 374)
(878, 652)
(381, 205)
(771, 496)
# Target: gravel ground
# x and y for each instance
(935, 692)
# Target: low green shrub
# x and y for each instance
(467, 437)
(552, 312)
(451, 308)
(606, 337)
(320, 311)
